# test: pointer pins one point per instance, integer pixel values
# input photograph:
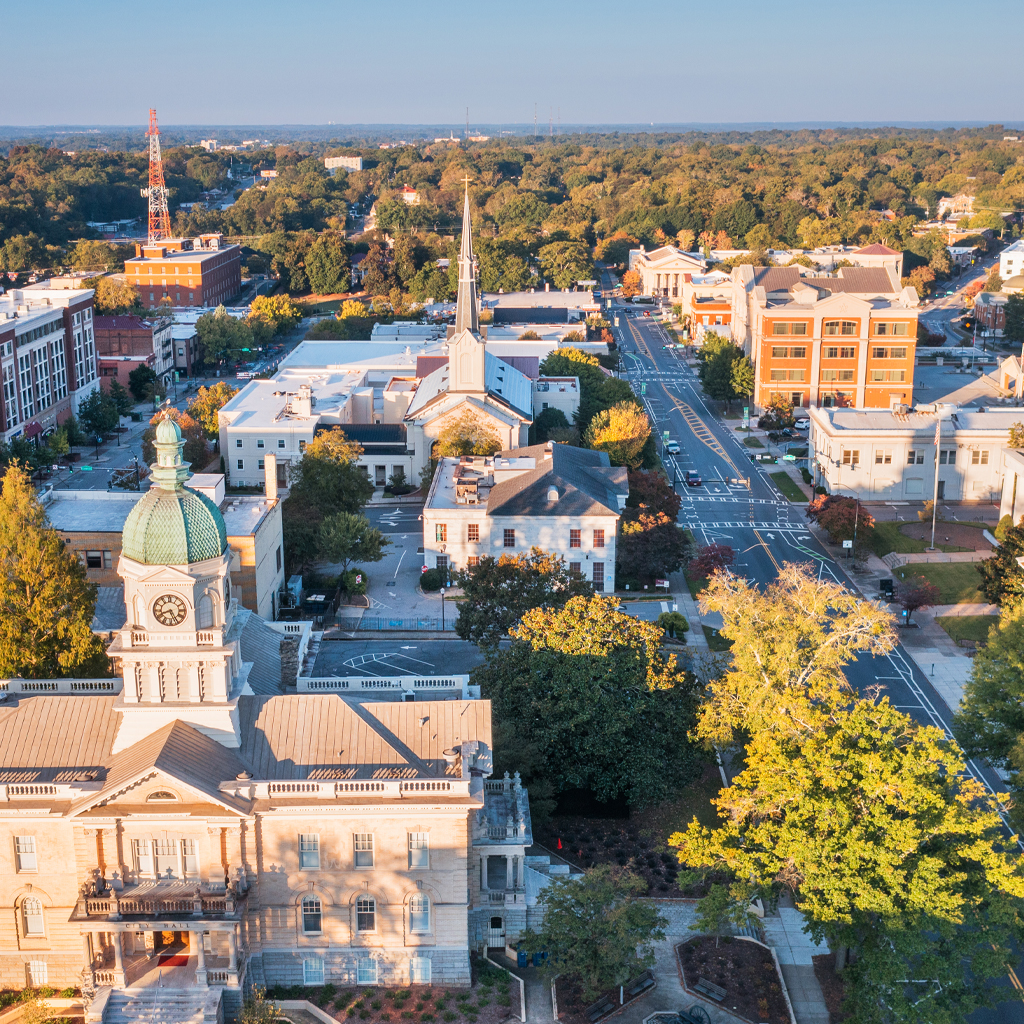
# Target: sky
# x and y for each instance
(223, 62)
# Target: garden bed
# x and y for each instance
(639, 842)
(491, 999)
(573, 1006)
(747, 972)
(831, 987)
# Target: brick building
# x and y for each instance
(990, 311)
(186, 271)
(126, 342)
(47, 357)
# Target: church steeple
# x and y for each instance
(467, 315)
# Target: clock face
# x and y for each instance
(169, 610)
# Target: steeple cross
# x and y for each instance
(466, 180)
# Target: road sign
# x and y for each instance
(643, 389)
(664, 435)
(847, 543)
(661, 583)
(85, 469)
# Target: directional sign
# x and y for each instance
(847, 543)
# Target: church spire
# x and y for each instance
(467, 315)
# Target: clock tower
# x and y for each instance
(179, 651)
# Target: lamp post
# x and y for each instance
(442, 609)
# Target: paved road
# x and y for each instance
(763, 528)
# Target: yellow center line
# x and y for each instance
(757, 534)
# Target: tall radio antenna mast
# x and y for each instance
(159, 217)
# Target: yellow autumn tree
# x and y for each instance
(621, 431)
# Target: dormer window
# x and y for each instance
(161, 796)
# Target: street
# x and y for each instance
(763, 528)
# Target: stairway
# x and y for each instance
(162, 1006)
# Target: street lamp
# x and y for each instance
(442, 609)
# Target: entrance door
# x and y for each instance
(381, 475)
(942, 489)
(282, 475)
(496, 934)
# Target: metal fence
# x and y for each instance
(375, 622)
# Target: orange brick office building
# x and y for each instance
(186, 272)
(844, 341)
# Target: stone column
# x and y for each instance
(118, 958)
(200, 959)
(234, 869)
(509, 872)
(483, 872)
(87, 950)
(232, 950)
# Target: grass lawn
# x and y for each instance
(752, 442)
(887, 537)
(789, 487)
(958, 582)
(715, 640)
(968, 627)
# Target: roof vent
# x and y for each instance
(552, 494)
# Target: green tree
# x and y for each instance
(597, 930)
(346, 537)
(208, 403)
(621, 431)
(993, 283)
(716, 357)
(120, 396)
(466, 435)
(565, 263)
(1014, 329)
(499, 592)
(96, 255)
(1015, 439)
(46, 602)
(583, 698)
(378, 273)
(222, 336)
(1001, 576)
(548, 420)
(674, 623)
(778, 413)
(742, 377)
(258, 1009)
(195, 451)
(141, 381)
(723, 906)
(98, 414)
(278, 309)
(328, 479)
(327, 265)
(115, 296)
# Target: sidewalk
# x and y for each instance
(784, 930)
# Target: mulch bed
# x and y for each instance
(744, 969)
(572, 1006)
(492, 999)
(831, 987)
(968, 537)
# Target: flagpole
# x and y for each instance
(935, 495)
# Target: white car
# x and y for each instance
(802, 424)
(672, 447)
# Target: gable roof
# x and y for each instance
(876, 249)
(860, 280)
(587, 484)
(502, 382)
(776, 279)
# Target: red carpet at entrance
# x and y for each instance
(173, 960)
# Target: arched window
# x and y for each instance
(32, 910)
(366, 914)
(161, 796)
(205, 612)
(311, 915)
(419, 913)
(847, 327)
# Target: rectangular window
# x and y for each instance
(898, 353)
(947, 457)
(851, 457)
(441, 532)
(979, 458)
(830, 352)
(238, 442)
(473, 532)
(574, 539)
(259, 464)
(94, 559)
(847, 352)
(509, 538)
(309, 850)
(780, 352)
(107, 559)
(366, 914)
(879, 353)
(419, 970)
(915, 456)
(798, 329)
(778, 374)
(883, 457)
(280, 442)
(166, 858)
(442, 561)
(366, 971)
(598, 580)
(599, 538)
(576, 567)
(839, 327)
(419, 850)
(363, 845)
(778, 329)
(795, 374)
(829, 374)
(38, 973)
(241, 464)
(473, 561)
(798, 352)
(312, 916)
(419, 914)
(189, 858)
(313, 971)
(259, 442)
(143, 856)
(25, 853)
(877, 375)
(279, 558)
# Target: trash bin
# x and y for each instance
(539, 958)
(522, 958)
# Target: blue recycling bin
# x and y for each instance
(522, 958)
(539, 958)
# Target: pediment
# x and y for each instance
(142, 795)
(842, 302)
(167, 574)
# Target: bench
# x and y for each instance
(599, 1010)
(641, 984)
(716, 992)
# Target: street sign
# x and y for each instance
(85, 469)
(661, 583)
(664, 435)
(847, 543)
(643, 389)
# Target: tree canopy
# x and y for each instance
(621, 431)
(207, 403)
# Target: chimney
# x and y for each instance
(270, 475)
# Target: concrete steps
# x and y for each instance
(162, 1006)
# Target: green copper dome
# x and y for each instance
(172, 524)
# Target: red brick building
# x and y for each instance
(125, 342)
(186, 272)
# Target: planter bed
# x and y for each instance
(573, 1008)
(747, 972)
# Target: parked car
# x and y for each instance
(672, 447)
(802, 423)
(692, 478)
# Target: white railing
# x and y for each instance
(33, 790)
(61, 685)
(335, 789)
(311, 684)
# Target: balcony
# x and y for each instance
(159, 899)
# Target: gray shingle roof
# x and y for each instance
(587, 484)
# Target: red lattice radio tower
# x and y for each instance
(159, 218)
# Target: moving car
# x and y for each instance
(692, 478)
(672, 447)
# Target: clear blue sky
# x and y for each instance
(313, 61)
